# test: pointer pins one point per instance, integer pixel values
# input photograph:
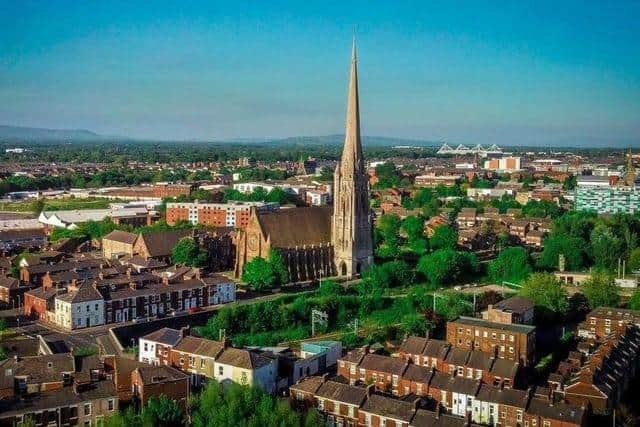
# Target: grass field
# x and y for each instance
(57, 204)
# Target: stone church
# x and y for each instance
(317, 242)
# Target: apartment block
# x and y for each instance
(232, 214)
(504, 341)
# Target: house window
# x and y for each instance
(320, 404)
(220, 370)
(519, 416)
(110, 404)
(87, 409)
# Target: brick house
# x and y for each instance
(382, 371)
(341, 402)
(118, 243)
(511, 310)
(153, 381)
(505, 341)
(602, 321)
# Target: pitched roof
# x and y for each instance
(418, 373)
(38, 369)
(344, 393)
(413, 345)
(515, 304)
(436, 348)
(9, 282)
(559, 411)
(376, 362)
(161, 243)
(160, 374)
(199, 346)
(241, 358)
(297, 227)
(166, 336)
(389, 407)
(86, 292)
(308, 384)
(121, 236)
(424, 418)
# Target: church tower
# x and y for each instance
(351, 229)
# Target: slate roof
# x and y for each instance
(515, 304)
(297, 227)
(241, 358)
(51, 400)
(38, 369)
(424, 418)
(160, 374)
(9, 282)
(166, 336)
(559, 411)
(199, 346)
(375, 362)
(86, 292)
(418, 373)
(121, 236)
(436, 348)
(308, 384)
(161, 243)
(343, 393)
(413, 345)
(389, 407)
(513, 327)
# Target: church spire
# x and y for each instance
(351, 231)
(352, 152)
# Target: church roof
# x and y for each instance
(297, 227)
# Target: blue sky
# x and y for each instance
(539, 72)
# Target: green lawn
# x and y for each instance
(69, 203)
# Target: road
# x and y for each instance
(99, 335)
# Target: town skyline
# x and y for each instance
(520, 76)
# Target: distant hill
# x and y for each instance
(29, 134)
(369, 141)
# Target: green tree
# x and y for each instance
(600, 290)
(634, 260)
(241, 405)
(277, 195)
(573, 249)
(388, 226)
(606, 247)
(188, 252)
(444, 237)
(329, 288)
(259, 274)
(279, 267)
(443, 266)
(512, 265)
(161, 412)
(634, 301)
(413, 227)
(546, 292)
